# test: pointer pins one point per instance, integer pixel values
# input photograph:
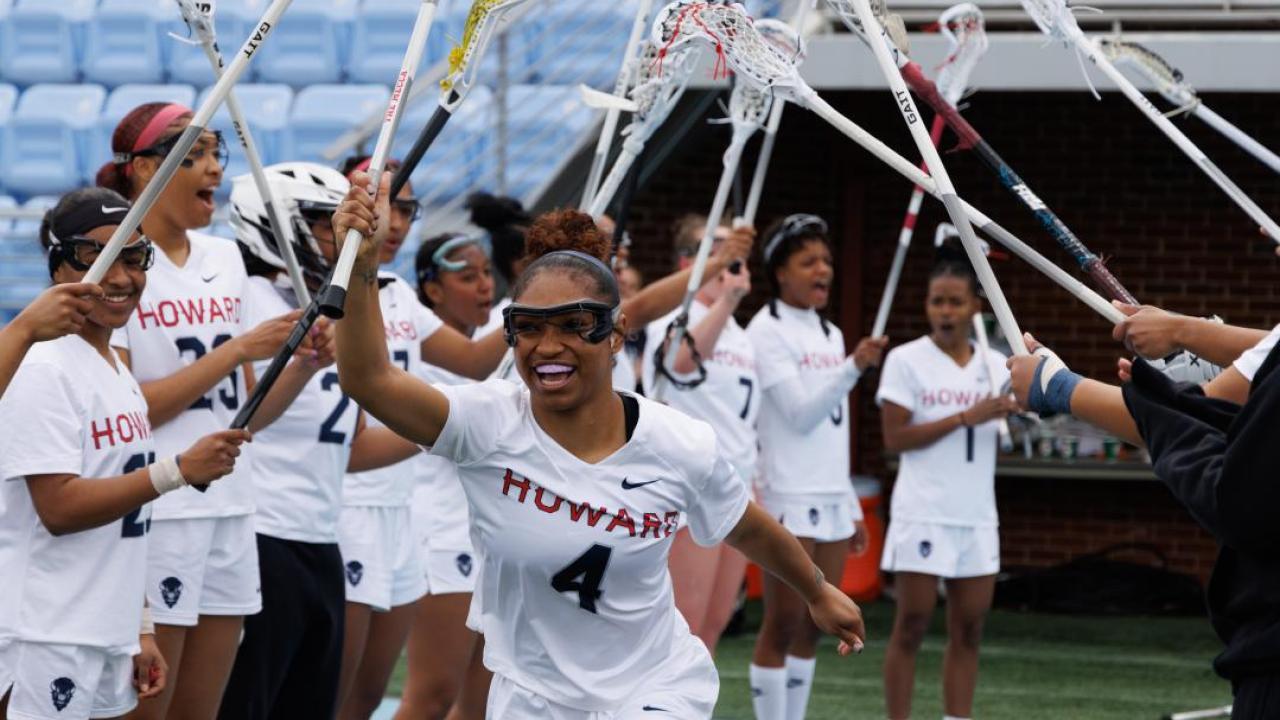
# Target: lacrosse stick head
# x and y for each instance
(1166, 77)
(656, 92)
(786, 39)
(965, 30)
(729, 30)
(198, 15)
(892, 23)
(749, 108)
(1054, 19)
(482, 21)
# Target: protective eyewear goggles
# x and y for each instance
(408, 208)
(798, 225)
(210, 142)
(80, 252)
(590, 321)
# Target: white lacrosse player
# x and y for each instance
(190, 349)
(805, 379)
(938, 414)
(78, 470)
(575, 492)
(718, 385)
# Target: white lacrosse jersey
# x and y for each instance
(68, 412)
(810, 465)
(952, 481)
(407, 322)
(1251, 361)
(729, 399)
(576, 601)
(440, 507)
(300, 459)
(184, 313)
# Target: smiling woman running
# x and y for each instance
(575, 493)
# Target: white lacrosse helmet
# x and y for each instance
(1185, 367)
(306, 192)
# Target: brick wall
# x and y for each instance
(1170, 235)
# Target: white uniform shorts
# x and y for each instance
(449, 564)
(945, 551)
(382, 562)
(824, 521)
(202, 566)
(685, 688)
(65, 682)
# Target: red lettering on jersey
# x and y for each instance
(944, 396)
(144, 312)
(191, 311)
(537, 500)
(125, 429)
(98, 434)
(651, 522)
(671, 520)
(216, 309)
(400, 330)
(821, 361)
(171, 319)
(593, 514)
(620, 519)
(509, 481)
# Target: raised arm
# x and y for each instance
(457, 353)
(664, 295)
(410, 407)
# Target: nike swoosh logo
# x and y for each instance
(628, 485)
(106, 209)
(210, 278)
(650, 708)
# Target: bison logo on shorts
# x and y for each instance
(170, 590)
(61, 691)
(926, 547)
(463, 562)
(355, 572)
(813, 516)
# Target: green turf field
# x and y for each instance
(1041, 667)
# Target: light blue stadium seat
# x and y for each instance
(379, 38)
(40, 40)
(310, 46)
(6, 203)
(457, 159)
(580, 43)
(119, 103)
(125, 43)
(545, 122)
(321, 113)
(23, 238)
(266, 109)
(8, 99)
(186, 62)
(46, 141)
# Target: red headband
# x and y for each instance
(155, 127)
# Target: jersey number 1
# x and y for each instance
(589, 566)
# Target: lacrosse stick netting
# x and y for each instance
(199, 121)
(968, 42)
(775, 73)
(1054, 18)
(658, 89)
(1170, 83)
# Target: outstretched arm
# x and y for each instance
(1155, 333)
(664, 295)
(410, 407)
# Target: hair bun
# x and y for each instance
(492, 212)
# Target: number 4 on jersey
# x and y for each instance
(589, 566)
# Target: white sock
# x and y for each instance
(799, 684)
(769, 692)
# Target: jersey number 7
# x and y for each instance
(589, 566)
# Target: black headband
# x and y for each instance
(86, 216)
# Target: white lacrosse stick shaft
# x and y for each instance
(1004, 314)
(1238, 136)
(752, 206)
(186, 141)
(335, 293)
(281, 227)
(631, 149)
(732, 156)
(610, 126)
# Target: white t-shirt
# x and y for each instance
(1251, 361)
(729, 398)
(952, 481)
(407, 323)
(184, 313)
(68, 412)
(812, 466)
(576, 601)
(440, 505)
(300, 458)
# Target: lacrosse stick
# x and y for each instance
(797, 51)
(333, 295)
(914, 76)
(652, 99)
(945, 232)
(199, 19)
(750, 59)
(1170, 83)
(625, 78)
(748, 111)
(1054, 19)
(966, 50)
(186, 141)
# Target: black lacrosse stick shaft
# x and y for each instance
(278, 363)
(428, 136)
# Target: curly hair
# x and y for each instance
(566, 230)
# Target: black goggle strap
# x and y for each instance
(606, 318)
(164, 147)
(659, 357)
(794, 226)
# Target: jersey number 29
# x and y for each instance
(133, 525)
(589, 566)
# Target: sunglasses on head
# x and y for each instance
(210, 142)
(80, 252)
